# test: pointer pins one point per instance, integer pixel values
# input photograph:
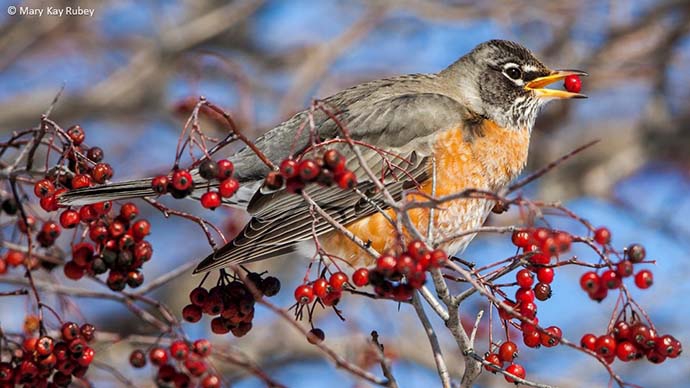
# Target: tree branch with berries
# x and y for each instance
(108, 244)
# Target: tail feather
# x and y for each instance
(107, 192)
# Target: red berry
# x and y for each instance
(102, 208)
(73, 271)
(602, 235)
(44, 188)
(626, 351)
(44, 346)
(572, 83)
(494, 359)
(515, 370)
(86, 357)
(624, 268)
(605, 345)
(179, 349)
(589, 281)
(346, 180)
(191, 313)
(525, 295)
(644, 279)
(116, 229)
(361, 277)
(69, 219)
(550, 246)
(14, 258)
(129, 211)
(304, 294)
(508, 351)
(51, 229)
(101, 172)
(182, 180)
(198, 296)
(210, 381)
(504, 314)
(564, 241)
(210, 200)
(202, 347)
(386, 264)
(294, 185)
(521, 238)
(225, 169)
(288, 168)
(49, 203)
(589, 341)
(69, 331)
(545, 275)
(160, 184)
(76, 134)
(228, 187)
(321, 287)
(551, 336)
(404, 264)
(137, 359)
(338, 280)
(531, 339)
(524, 278)
(528, 310)
(610, 279)
(438, 258)
(158, 356)
(308, 170)
(540, 235)
(81, 180)
(219, 326)
(663, 344)
(332, 298)
(141, 229)
(643, 335)
(540, 258)
(334, 160)
(622, 331)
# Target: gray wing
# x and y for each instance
(402, 124)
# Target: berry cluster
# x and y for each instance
(84, 168)
(394, 277)
(397, 276)
(117, 245)
(117, 239)
(506, 353)
(598, 285)
(181, 183)
(231, 304)
(630, 341)
(40, 359)
(328, 170)
(330, 290)
(191, 361)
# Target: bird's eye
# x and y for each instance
(513, 72)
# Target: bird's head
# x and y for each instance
(506, 83)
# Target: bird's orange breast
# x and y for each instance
(488, 161)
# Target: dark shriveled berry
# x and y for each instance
(208, 169)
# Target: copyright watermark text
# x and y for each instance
(21, 10)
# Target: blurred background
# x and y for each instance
(130, 70)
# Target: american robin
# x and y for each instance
(468, 126)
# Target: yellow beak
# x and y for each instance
(538, 85)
